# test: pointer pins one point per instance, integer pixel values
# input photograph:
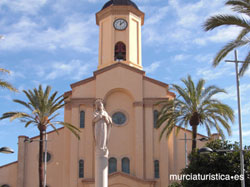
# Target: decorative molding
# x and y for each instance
(119, 10)
(67, 94)
(82, 101)
(82, 82)
(156, 82)
(6, 165)
(119, 64)
(145, 181)
(138, 103)
(61, 128)
(149, 102)
(107, 68)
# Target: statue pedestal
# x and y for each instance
(101, 168)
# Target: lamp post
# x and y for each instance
(45, 156)
(207, 150)
(45, 160)
(6, 150)
(236, 61)
(185, 138)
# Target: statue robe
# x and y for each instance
(102, 126)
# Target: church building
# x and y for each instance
(137, 157)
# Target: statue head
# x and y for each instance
(99, 104)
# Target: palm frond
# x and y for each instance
(181, 92)
(71, 127)
(7, 85)
(208, 129)
(240, 6)
(28, 123)
(4, 70)
(242, 34)
(222, 20)
(195, 100)
(245, 65)
(55, 129)
(226, 49)
(199, 89)
(14, 115)
(24, 104)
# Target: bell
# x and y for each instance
(119, 56)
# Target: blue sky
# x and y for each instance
(56, 43)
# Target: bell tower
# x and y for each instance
(120, 24)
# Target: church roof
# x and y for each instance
(118, 64)
(120, 2)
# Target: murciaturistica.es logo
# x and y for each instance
(204, 177)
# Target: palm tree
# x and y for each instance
(43, 108)
(239, 6)
(195, 106)
(5, 84)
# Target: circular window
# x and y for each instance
(119, 118)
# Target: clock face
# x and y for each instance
(120, 24)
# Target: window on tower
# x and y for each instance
(120, 51)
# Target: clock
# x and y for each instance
(120, 24)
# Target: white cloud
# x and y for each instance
(158, 15)
(16, 75)
(225, 34)
(232, 93)
(200, 41)
(25, 6)
(210, 73)
(203, 58)
(152, 67)
(74, 70)
(246, 108)
(244, 132)
(184, 28)
(181, 57)
(27, 34)
(12, 76)
(247, 73)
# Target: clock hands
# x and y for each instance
(120, 24)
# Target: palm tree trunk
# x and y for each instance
(40, 165)
(194, 135)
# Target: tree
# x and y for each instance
(227, 164)
(5, 84)
(43, 108)
(243, 8)
(175, 184)
(195, 105)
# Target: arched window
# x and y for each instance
(81, 168)
(157, 168)
(126, 165)
(82, 119)
(120, 51)
(112, 165)
(156, 114)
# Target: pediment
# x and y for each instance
(119, 179)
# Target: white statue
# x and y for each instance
(102, 126)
